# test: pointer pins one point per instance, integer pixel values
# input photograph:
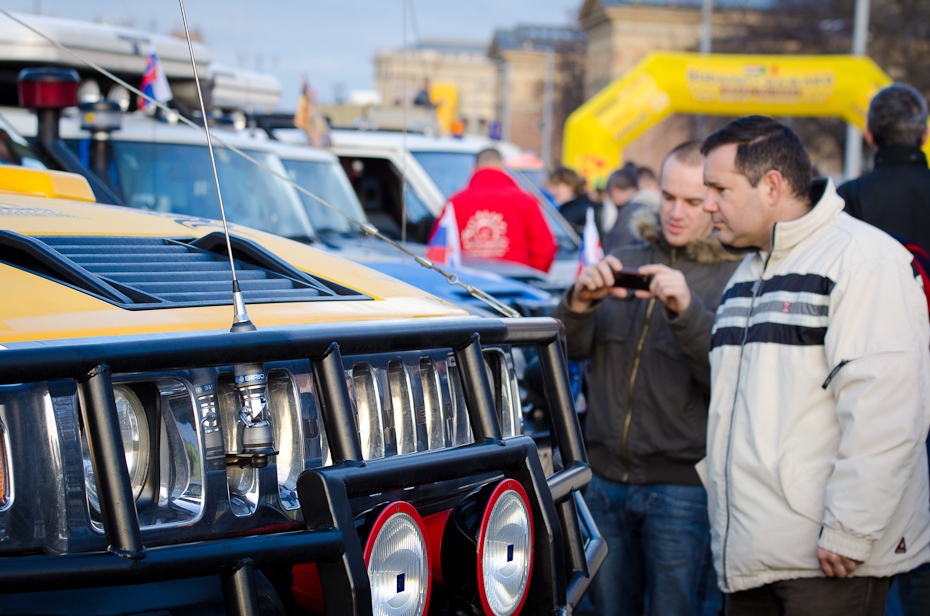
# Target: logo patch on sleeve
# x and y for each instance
(902, 547)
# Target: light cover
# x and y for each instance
(505, 550)
(398, 564)
(134, 429)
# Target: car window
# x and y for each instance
(176, 178)
(449, 170)
(527, 183)
(327, 181)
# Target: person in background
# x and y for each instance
(647, 180)
(895, 197)
(622, 184)
(568, 190)
(648, 393)
(816, 470)
(422, 98)
(498, 220)
(626, 197)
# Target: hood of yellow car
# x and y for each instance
(41, 307)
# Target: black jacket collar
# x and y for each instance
(900, 155)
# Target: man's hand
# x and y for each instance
(834, 565)
(668, 286)
(595, 282)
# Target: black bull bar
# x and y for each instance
(565, 560)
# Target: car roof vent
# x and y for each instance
(153, 272)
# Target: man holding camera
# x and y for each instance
(816, 470)
(648, 394)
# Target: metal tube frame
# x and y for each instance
(117, 504)
(331, 538)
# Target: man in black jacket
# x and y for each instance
(895, 195)
(648, 395)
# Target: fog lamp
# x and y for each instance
(487, 548)
(397, 559)
(398, 563)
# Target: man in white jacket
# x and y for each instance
(820, 397)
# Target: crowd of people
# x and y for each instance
(759, 395)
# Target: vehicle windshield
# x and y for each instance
(329, 183)
(449, 170)
(177, 178)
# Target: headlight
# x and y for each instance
(161, 432)
(134, 429)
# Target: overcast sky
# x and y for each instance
(333, 42)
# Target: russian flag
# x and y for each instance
(443, 246)
(154, 82)
(590, 251)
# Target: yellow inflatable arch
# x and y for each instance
(715, 84)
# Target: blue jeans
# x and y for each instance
(658, 560)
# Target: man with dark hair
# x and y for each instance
(816, 471)
(895, 195)
(648, 394)
(498, 220)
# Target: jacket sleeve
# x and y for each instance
(692, 330)
(541, 241)
(877, 347)
(579, 327)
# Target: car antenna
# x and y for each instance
(241, 321)
(366, 227)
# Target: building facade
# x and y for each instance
(540, 81)
(400, 74)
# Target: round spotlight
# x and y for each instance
(487, 549)
(398, 563)
(505, 549)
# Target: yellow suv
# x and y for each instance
(359, 451)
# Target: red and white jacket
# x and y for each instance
(498, 220)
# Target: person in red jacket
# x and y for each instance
(498, 220)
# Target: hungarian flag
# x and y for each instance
(443, 246)
(590, 251)
(154, 82)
